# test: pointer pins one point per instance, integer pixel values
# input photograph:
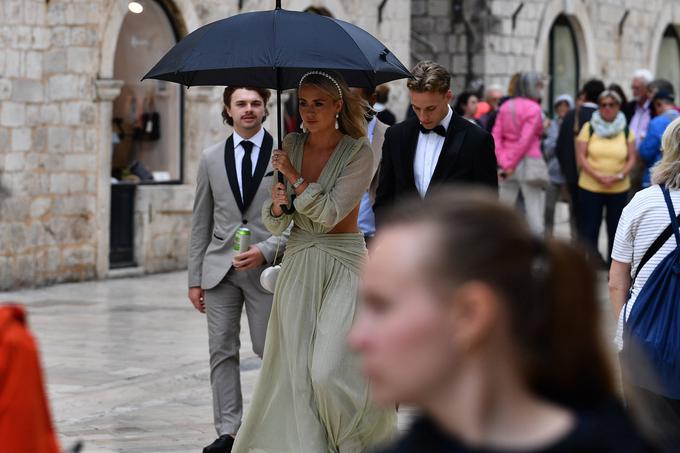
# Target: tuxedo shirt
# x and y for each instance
(239, 153)
(428, 149)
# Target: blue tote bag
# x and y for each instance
(651, 334)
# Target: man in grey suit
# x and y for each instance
(233, 182)
(376, 136)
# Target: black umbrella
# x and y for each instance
(273, 49)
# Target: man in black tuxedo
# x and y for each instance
(434, 148)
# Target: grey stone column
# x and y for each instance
(106, 91)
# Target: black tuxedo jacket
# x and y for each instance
(468, 156)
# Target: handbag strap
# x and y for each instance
(664, 236)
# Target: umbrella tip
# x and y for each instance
(278, 4)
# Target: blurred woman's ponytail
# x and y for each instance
(569, 363)
(550, 289)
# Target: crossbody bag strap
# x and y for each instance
(663, 237)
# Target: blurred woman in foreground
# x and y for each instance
(491, 332)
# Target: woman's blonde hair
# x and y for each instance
(351, 119)
(667, 170)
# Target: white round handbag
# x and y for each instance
(268, 278)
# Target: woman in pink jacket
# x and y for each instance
(517, 133)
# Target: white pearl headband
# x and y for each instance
(321, 73)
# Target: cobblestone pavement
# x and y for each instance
(126, 363)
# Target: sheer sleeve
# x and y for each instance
(329, 207)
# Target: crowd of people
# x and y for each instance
(461, 305)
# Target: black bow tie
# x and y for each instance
(437, 130)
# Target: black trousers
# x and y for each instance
(590, 206)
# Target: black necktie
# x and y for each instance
(246, 169)
(437, 130)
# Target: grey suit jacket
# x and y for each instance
(376, 146)
(218, 214)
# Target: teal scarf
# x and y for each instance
(606, 129)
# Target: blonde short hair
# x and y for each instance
(429, 76)
(667, 170)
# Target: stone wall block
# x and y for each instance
(14, 63)
(21, 139)
(422, 25)
(70, 113)
(5, 89)
(63, 87)
(48, 260)
(13, 11)
(418, 8)
(63, 183)
(24, 269)
(35, 13)
(27, 90)
(6, 280)
(56, 13)
(80, 162)
(83, 36)
(55, 61)
(12, 114)
(77, 256)
(59, 139)
(40, 206)
(50, 114)
(33, 66)
(41, 36)
(14, 162)
(81, 59)
(439, 8)
(61, 37)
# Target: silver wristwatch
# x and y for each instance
(298, 182)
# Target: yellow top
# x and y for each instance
(607, 156)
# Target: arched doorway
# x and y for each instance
(563, 61)
(147, 121)
(668, 62)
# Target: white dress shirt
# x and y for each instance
(427, 155)
(239, 152)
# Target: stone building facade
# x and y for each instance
(58, 95)
(486, 41)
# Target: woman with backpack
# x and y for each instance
(644, 288)
(517, 132)
(605, 152)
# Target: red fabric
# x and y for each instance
(25, 422)
(482, 108)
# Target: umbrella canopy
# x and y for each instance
(273, 49)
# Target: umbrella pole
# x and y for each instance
(279, 134)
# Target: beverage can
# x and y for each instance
(242, 240)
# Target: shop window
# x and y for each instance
(563, 61)
(668, 66)
(147, 116)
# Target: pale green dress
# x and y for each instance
(310, 396)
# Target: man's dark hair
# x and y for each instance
(264, 93)
(592, 89)
(661, 85)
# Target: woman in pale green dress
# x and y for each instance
(310, 396)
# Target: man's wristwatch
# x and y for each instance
(298, 182)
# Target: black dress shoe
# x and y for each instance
(222, 444)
